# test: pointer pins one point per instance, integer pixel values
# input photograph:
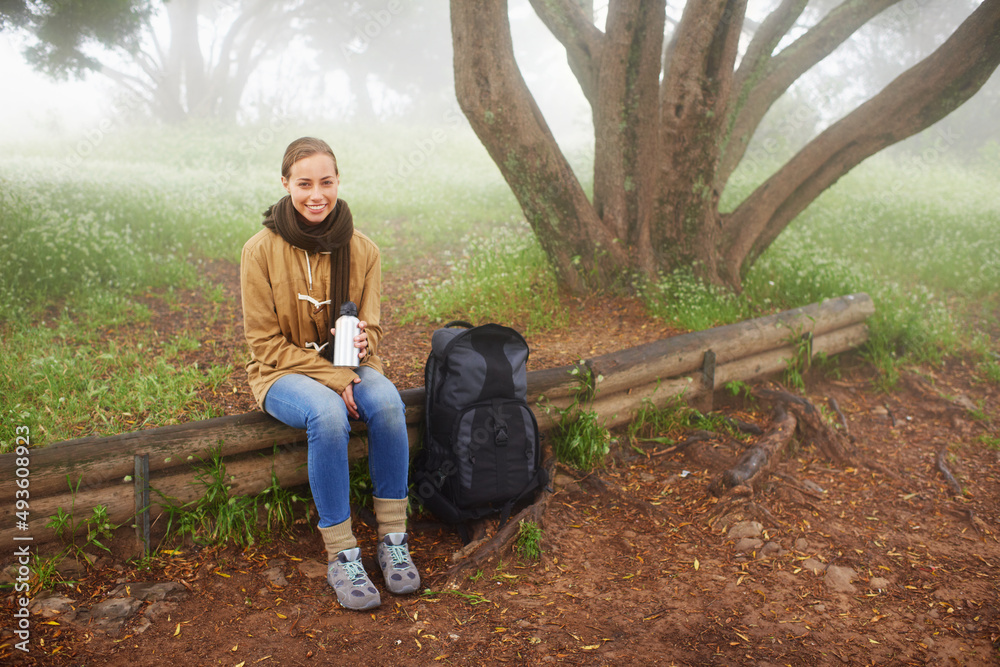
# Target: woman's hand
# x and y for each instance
(360, 341)
(348, 396)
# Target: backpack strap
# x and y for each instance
(459, 323)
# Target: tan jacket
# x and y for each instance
(283, 329)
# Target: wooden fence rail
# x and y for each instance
(254, 444)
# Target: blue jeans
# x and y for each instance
(301, 402)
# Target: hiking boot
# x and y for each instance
(401, 576)
(348, 578)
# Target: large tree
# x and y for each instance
(195, 58)
(673, 119)
(197, 66)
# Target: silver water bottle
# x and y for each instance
(344, 352)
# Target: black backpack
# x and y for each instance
(481, 452)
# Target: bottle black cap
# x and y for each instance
(348, 308)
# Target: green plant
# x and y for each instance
(46, 571)
(979, 413)
(501, 277)
(73, 381)
(215, 517)
(991, 441)
(829, 365)
(982, 350)
(279, 506)
(66, 525)
(99, 526)
(990, 369)
(798, 364)
(739, 387)
(664, 424)
(687, 302)
(63, 523)
(361, 483)
(659, 424)
(580, 438)
(528, 545)
(472, 598)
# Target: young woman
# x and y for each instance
(295, 274)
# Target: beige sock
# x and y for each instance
(391, 516)
(337, 538)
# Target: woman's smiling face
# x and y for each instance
(312, 183)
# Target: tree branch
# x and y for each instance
(766, 40)
(765, 78)
(131, 83)
(568, 22)
(495, 99)
(626, 121)
(917, 99)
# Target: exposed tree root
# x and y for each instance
(977, 524)
(476, 553)
(843, 420)
(792, 415)
(797, 485)
(757, 463)
(613, 492)
(812, 429)
(482, 548)
(744, 427)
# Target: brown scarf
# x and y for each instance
(333, 235)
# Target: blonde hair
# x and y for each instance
(303, 148)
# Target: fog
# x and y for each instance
(396, 66)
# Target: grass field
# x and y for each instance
(88, 225)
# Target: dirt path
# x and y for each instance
(846, 566)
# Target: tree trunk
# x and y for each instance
(695, 89)
(495, 99)
(671, 124)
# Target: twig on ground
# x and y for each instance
(840, 415)
(946, 472)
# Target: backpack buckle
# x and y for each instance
(500, 433)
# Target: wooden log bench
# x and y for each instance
(254, 444)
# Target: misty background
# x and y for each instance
(131, 176)
(391, 63)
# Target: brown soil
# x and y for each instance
(633, 571)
